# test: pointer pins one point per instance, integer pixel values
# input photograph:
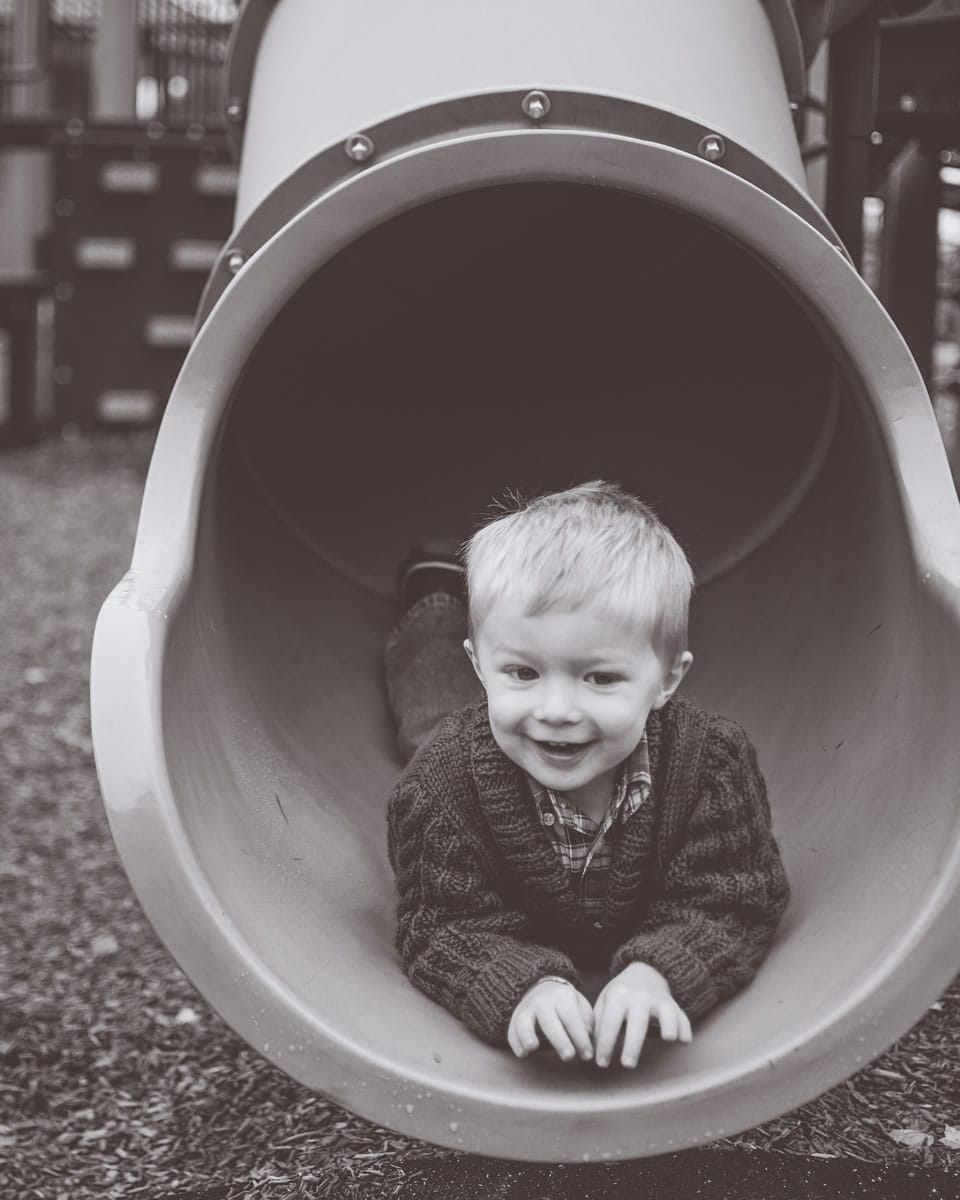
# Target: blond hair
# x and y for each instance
(593, 544)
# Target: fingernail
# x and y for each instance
(629, 1062)
(602, 1062)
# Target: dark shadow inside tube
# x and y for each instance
(528, 337)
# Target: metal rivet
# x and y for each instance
(908, 103)
(235, 260)
(75, 127)
(233, 111)
(712, 147)
(535, 105)
(358, 147)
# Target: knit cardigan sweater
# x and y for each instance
(486, 908)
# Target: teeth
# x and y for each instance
(560, 747)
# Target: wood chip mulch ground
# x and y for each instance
(116, 1078)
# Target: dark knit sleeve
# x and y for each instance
(459, 941)
(724, 887)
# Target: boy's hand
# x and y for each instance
(563, 1016)
(628, 1002)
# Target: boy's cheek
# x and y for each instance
(506, 743)
(499, 723)
(502, 707)
(504, 725)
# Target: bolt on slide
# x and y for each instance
(481, 247)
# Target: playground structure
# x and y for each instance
(118, 192)
(544, 250)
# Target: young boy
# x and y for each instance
(578, 818)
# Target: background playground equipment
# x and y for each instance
(118, 192)
(140, 217)
(551, 246)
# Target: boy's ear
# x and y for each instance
(674, 677)
(472, 655)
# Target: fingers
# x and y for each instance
(578, 1022)
(586, 1016)
(567, 1023)
(607, 1020)
(554, 1031)
(633, 1015)
(674, 1023)
(668, 1016)
(638, 1022)
(564, 1018)
(522, 1034)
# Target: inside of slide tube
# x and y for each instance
(527, 337)
(523, 338)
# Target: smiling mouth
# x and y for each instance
(562, 749)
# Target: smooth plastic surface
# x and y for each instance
(345, 65)
(240, 728)
(524, 306)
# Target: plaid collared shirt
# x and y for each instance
(586, 847)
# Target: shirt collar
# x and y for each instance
(632, 787)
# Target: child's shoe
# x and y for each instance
(431, 567)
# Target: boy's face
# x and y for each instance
(569, 693)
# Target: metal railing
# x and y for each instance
(180, 50)
(183, 45)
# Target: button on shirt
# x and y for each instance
(586, 847)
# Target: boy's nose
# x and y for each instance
(557, 704)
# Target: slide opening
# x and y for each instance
(530, 336)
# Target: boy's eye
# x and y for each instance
(524, 674)
(603, 678)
